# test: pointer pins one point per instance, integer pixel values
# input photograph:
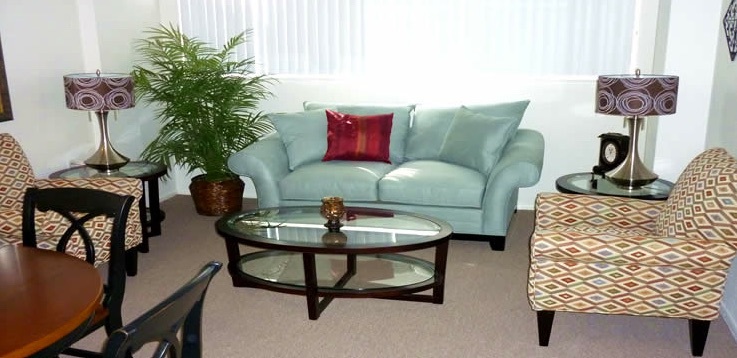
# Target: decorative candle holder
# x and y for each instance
(332, 209)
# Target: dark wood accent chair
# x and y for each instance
(180, 311)
(79, 207)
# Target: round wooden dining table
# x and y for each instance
(44, 296)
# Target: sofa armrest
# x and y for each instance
(266, 163)
(519, 166)
(117, 185)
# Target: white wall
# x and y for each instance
(690, 54)
(39, 47)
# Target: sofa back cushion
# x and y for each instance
(400, 121)
(703, 202)
(304, 135)
(475, 140)
(431, 123)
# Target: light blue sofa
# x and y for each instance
(463, 165)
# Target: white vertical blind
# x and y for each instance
(531, 37)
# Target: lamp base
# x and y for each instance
(106, 158)
(106, 164)
(632, 173)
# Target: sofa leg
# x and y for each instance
(544, 326)
(497, 242)
(131, 261)
(698, 330)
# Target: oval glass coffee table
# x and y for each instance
(363, 259)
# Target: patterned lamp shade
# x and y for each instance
(98, 91)
(638, 95)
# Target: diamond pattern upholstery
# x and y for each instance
(613, 255)
(16, 175)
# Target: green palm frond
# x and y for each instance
(207, 102)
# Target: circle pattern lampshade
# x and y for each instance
(636, 95)
(98, 91)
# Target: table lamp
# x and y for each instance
(635, 97)
(100, 93)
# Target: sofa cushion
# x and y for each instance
(354, 181)
(400, 122)
(355, 137)
(703, 201)
(429, 182)
(304, 135)
(431, 123)
(475, 140)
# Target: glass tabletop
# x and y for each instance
(362, 228)
(137, 169)
(587, 183)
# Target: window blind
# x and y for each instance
(367, 37)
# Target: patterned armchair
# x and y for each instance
(611, 255)
(16, 175)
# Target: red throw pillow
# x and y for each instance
(355, 137)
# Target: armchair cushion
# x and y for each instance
(618, 231)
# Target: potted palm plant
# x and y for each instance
(207, 105)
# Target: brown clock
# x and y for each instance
(613, 150)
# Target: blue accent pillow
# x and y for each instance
(400, 121)
(475, 140)
(304, 134)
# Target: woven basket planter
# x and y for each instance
(216, 198)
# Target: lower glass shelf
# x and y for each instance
(373, 272)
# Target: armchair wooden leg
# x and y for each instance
(131, 261)
(544, 326)
(698, 330)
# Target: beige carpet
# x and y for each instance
(485, 313)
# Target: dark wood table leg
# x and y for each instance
(351, 264)
(143, 246)
(131, 261)
(151, 214)
(234, 256)
(313, 309)
(441, 257)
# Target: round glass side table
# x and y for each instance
(592, 184)
(149, 173)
